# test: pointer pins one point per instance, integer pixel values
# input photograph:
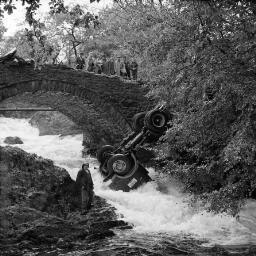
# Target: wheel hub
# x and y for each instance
(158, 120)
(119, 166)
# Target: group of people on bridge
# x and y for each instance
(119, 66)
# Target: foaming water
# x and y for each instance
(157, 207)
(64, 151)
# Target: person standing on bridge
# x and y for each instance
(98, 66)
(105, 65)
(123, 72)
(127, 67)
(85, 184)
(118, 66)
(134, 69)
(90, 66)
(80, 61)
(112, 66)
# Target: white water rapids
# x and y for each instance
(148, 209)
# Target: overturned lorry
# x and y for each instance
(121, 165)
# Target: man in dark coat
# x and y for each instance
(80, 61)
(127, 67)
(85, 184)
(134, 70)
(105, 68)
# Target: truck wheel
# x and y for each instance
(104, 152)
(156, 121)
(104, 171)
(138, 121)
(120, 164)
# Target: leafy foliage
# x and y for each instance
(60, 34)
(210, 83)
(2, 30)
(199, 57)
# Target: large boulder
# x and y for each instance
(13, 140)
(40, 208)
(27, 177)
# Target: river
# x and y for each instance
(162, 216)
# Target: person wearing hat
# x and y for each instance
(85, 184)
(123, 72)
(90, 66)
(118, 65)
(134, 69)
(80, 61)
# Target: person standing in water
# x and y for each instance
(85, 184)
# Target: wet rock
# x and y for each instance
(26, 176)
(61, 242)
(100, 235)
(103, 225)
(13, 140)
(38, 200)
(40, 208)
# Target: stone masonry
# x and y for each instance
(103, 106)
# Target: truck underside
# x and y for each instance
(122, 165)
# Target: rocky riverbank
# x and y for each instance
(39, 209)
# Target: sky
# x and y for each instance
(16, 20)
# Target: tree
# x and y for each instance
(2, 30)
(74, 27)
(199, 58)
(61, 33)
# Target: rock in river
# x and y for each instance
(13, 140)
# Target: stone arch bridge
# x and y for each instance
(102, 106)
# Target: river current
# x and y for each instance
(162, 216)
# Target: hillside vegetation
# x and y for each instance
(196, 56)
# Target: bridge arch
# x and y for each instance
(103, 106)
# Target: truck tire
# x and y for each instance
(156, 121)
(138, 121)
(105, 172)
(119, 164)
(104, 152)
